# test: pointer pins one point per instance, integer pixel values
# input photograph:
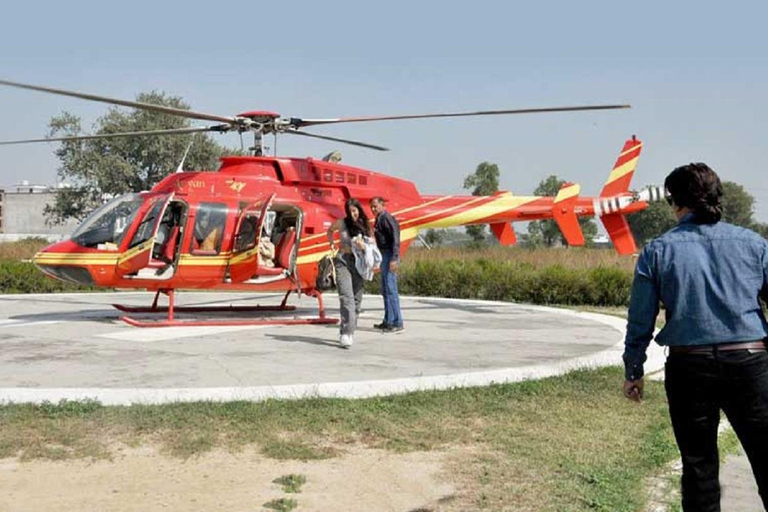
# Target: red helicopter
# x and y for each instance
(201, 230)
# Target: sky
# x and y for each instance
(695, 75)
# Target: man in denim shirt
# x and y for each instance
(710, 276)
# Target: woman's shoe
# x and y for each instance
(346, 340)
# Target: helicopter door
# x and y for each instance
(140, 249)
(244, 261)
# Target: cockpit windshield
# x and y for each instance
(106, 227)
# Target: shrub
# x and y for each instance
(23, 249)
(484, 274)
(24, 277)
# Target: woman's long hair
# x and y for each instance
(361, 226)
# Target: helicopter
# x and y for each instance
(202, 229)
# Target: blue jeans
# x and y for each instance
(392, 315)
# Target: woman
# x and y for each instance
(349, 282)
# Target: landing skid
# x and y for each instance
(199, 309)
(171, 309)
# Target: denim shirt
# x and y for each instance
(709, 278)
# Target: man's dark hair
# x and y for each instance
(697, 187)
(377, 199)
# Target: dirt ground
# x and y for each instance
(142, 479)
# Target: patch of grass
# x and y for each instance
(563, 443)
(23, 249)
(281, 504)
(728, 444)
(291, 483)
(296, 450)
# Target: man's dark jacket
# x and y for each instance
(387, 232)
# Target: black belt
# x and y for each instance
(722, 347)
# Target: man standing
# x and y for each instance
(387, 232)
(710, 276)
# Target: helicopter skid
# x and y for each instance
(196, 323)
(172, 309)
(200, 309)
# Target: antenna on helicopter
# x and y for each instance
(334, 157)
(180, 168)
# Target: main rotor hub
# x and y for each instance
(259, 116)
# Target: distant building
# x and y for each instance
(21, 213)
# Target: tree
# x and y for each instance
(102, 168)
(483, 182)
(761, 228)
(434, 237)
(546, 232)
(738, 205)
(647, 224)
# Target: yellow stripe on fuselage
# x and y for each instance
(496, 206)
(310, 258)
(441, 212)
(423, 205)
(207, 261)
(76, 259)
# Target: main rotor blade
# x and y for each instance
(297, 122)
(344, 141)
(173, 131)
(124, 103)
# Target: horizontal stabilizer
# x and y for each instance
(562, 211)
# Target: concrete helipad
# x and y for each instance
(73, 346)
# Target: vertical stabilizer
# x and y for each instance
(614, 197)
(621, 175)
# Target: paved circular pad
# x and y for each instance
(76, 342)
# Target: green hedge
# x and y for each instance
(24, 277)
(511, 281)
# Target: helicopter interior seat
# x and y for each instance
(167, 236)
(169, 251)
(283, 252)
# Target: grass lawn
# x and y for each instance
(565, 443)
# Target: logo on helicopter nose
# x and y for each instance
(237, 186)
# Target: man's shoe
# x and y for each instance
(382, 326)
(394, 329)
(346, 340)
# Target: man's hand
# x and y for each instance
(393, 266)
(633, 389)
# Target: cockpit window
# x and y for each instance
(147, 225)
(106, 227)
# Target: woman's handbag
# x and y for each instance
(326, 273)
